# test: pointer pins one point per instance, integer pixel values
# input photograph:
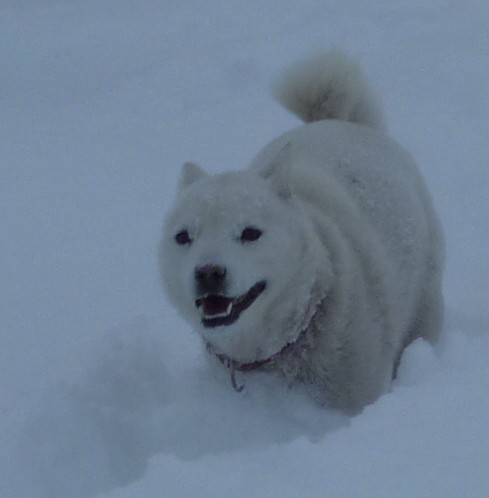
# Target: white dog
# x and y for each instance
(323, 259)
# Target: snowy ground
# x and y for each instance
(105, 391)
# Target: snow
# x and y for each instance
(106, 392)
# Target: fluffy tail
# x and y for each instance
(329, 86)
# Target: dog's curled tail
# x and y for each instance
(329, 86)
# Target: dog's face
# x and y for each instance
(233, 247)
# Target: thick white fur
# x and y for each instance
(329, 86)
(351, 250)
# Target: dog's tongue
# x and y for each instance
(215, 305)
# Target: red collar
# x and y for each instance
(244, 367)
(236, 366)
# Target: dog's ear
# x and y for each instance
(190, 173)
(277, 172)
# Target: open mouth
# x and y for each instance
(217, 310)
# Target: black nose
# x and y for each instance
(210, 279)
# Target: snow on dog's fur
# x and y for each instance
(323, 259)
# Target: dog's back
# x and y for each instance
(360, 186)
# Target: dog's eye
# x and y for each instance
(182, 238)
(250, 234)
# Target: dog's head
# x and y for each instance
(234, 257)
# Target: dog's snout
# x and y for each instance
(210, 278)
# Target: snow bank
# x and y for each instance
(130, 424)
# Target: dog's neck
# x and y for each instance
(294, 348)
(254, 365)
(236, 366)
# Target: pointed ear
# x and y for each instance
(189, 174)
(277, 172)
